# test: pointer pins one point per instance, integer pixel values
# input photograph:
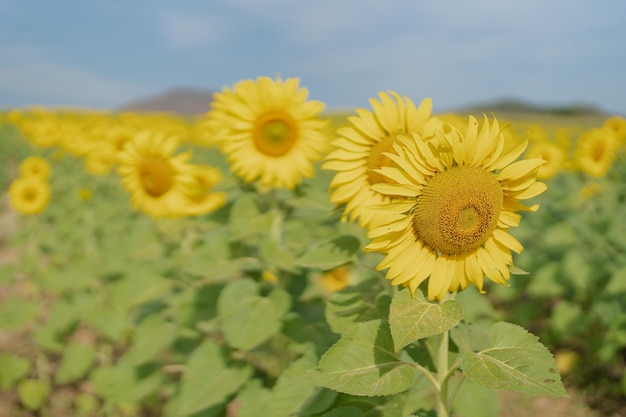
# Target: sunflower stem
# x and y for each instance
(442, 375)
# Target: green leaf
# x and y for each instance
(515, 361)
(577, 270)
(567, 318)
(363, 363)
(545, 282)
(17, 312)
(12, 369)
(33, 393)
(330, 255)
(123, 384)
(151, 337)
(247, 318)
(470, 337)
(344, 412)
(474, 400)
(293, 388)
(86, 404)
(617, 283)
(411, 319)
(254, 399)
(210, 378)
(77, 359)
(276, 255)
(356, 304)
(245, 219)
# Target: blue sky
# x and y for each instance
(101, 54)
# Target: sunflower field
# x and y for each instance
(271, 259)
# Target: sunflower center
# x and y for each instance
(378, 160)
(597, 152)
(29, 194)
(275, 133)
(156, 176)
(458, 210)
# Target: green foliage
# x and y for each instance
(209, 378)
(33, 393)
(76, 361)
(12, 369)
(363, 362)
(248, 318)
(225, 314)
(515, 361)
(411, 319)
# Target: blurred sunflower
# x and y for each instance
(550, 152)
(461, 195)
(202, 199)
(268, 131)
(617, 126)
(336, 279)
(362, 148)
(29, 195)
(595, 151)
(156, 179)
(35, 166)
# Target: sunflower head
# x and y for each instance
(268, 131)
(460, 195)
(367, 145)
(552, 153)
(155, 177)
(595, 151)
(201, 196)
(29, 195)
(35, 166)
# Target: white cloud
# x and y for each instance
(29, 74)
(185, 29)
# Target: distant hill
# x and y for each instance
(183, 101)
(188, 101)
(511, 105)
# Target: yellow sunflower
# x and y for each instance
(202, 199)
(29, 195)
(461, 195)
(616, 125)
(268, 131)
(595, 151)
(550, 152)
(156, 179)
(361, 149)
(35, 166)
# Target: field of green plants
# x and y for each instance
(262, 301)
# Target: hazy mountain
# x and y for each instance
(184, 101)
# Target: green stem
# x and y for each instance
(442, 375)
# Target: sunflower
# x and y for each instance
(202, 198)
(461, 195)
(268, 131)
(35, 166)
(156, 179)
(595, 151)
(617, 126)
(550, 152)
(29, 195)
(361, 149)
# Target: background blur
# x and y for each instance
(105, 54)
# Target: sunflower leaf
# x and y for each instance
(247, 318)
(515, 361)
(331, 254)
(210, 378)
(355, 304)
(12, 369)
(411, 319)
(363, 363)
